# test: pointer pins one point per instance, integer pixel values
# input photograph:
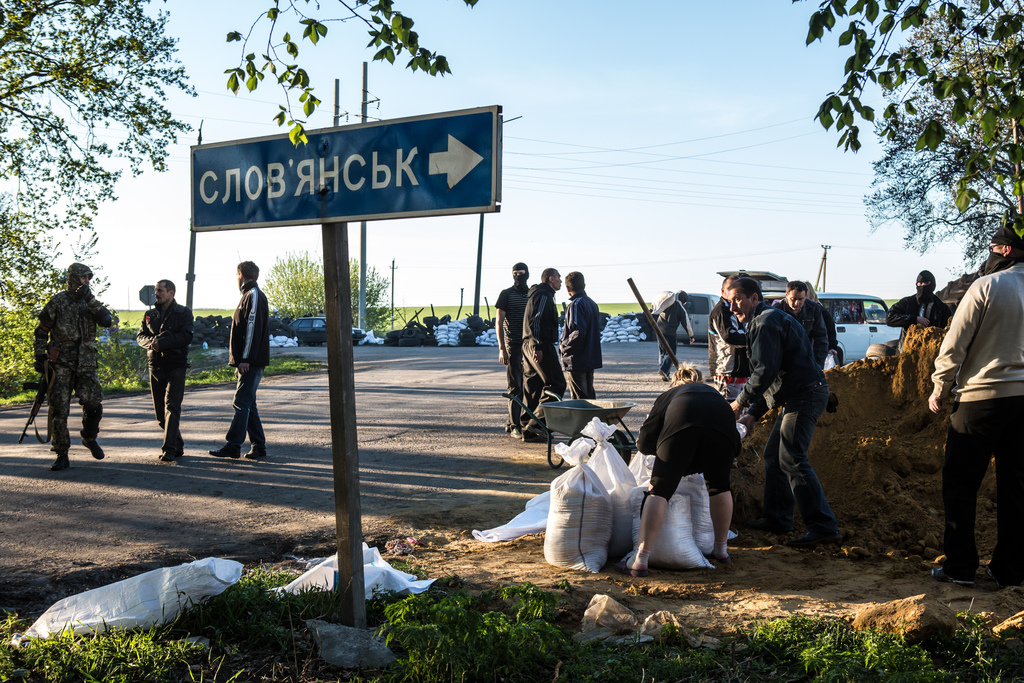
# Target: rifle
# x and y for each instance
(42, 388)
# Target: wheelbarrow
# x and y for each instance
(570, 417)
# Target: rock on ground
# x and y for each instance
(916, 618)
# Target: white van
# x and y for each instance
(698, 306)
(860, 322)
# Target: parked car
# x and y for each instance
(312, 331)
(698, 306)
(860, 322)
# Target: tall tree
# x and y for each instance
(269, 47)
(985, 98)
(917, 188)
(72, 73)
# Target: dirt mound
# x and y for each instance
(880, 456)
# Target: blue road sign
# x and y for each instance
(433, 165)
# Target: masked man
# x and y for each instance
(509, 325)
(66, 340)
(923, 308)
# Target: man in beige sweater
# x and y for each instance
(981, 361)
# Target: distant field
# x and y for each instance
(133, 319)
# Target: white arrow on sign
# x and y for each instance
(456, 162)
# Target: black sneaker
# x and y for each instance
(989, 574)
(227, 451)
(813, 538)
(939, 574)
(62, 463)
(533, 437)
(765, 524)
(167, 457)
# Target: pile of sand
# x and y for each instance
(880, 456)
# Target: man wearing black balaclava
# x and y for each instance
(981, 365)
(509, 325)
(924, 308)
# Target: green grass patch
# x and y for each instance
(511, 635)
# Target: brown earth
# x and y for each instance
(435, 465)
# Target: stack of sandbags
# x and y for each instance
(488, 338)
(282, 341)
(622, 328)
(618, 481)
(447, 334)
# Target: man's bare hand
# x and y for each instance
(736, 409)
(538, 355)
(155, 345)
(923, 321)
(502, 356)
(691, 340)
(935, 403)
(243, 368)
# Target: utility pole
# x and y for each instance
(479, 266)
(822, 269)
(362, 234)
(392, 293)
(190, 276)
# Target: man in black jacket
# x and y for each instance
(249, 354)
(727, 348)
(166, 332)
(542, 371)
(783, 373)
(924, 308)
(808, 313)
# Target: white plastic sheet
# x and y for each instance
(377, 573)
(533, 520)
(580, 518)
(146, 600)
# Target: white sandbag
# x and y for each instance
(533, 520)
(641, 466)
(694, 487)
(146, 600)
(580, 517)
(674, 547)
(662, 302)
(377, 573)
(618, 481)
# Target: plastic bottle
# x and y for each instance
(205, 346)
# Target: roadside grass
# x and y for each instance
(512, 634)
(122, 372)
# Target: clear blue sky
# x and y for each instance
(662, 145)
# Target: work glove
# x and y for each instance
(84, 293)
(40, 360)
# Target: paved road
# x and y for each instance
(432, 451)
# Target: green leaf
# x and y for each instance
(233, 36)
(297, 134)
(233, 82)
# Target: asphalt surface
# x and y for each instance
(432, 451)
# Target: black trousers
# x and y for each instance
(168, 388)
(979, 430)
(539, 377)
(581, 383)
(514, 379)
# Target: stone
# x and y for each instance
(916, 618)
(1014, 623)
(350, 648)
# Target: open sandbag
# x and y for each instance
(674, 547)
(580, 515)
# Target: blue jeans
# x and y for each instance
(788, 475)
(664, 361)
(247, 417)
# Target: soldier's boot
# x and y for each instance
(62, 463)
(90, 430)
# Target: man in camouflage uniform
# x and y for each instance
(66, 338)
